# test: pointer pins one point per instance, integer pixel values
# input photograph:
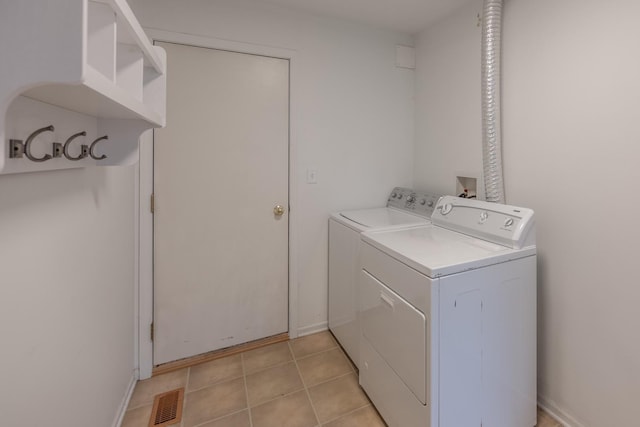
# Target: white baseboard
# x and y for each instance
(125, 400)
(312, 329)
(558, 414)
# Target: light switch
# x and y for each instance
(312, 176)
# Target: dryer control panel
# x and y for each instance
(412, 201)
(505, 225)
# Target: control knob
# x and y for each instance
(508, 222)
(446, 208)
(394, 195)
(430, 204)
(483, 216)
(423, 201)
(411, 199)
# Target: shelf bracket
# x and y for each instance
(16, 149)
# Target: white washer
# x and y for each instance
(448, 318)
(404, 208)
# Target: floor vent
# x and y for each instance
(167, 408)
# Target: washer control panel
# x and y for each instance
(506, 225)
(412, 201)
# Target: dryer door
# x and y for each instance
(397, 331)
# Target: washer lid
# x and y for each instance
(435, 251)
(383, 217)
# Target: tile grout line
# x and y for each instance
(306, 356)
(246, 389)
(246, 394)
(215, 383)
(292, 361)
(352, 370)
(348, 413)
(304, 384)
(184, 399)
(280, 396)
(337, 377)
(269, 367)
(219, 418)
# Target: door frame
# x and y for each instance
(144, 292)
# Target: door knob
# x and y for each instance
(278, 210)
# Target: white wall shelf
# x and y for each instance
(78, 65)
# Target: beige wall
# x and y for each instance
(67, 237)
(448, 115)
(571, 102)
(66, 296)
(352, 114)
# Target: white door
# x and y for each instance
(221, 166)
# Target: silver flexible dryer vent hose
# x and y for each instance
(491, 128)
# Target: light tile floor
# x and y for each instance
(545, 420)
(305, 382)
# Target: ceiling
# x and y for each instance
(409, 16)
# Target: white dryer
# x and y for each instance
(404, 208)
(448, 318)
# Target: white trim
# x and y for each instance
(117, 422)
(145, 270)
(312, 329)
(145, 289)
(222, 44)
(558, 414)
(136, 268)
